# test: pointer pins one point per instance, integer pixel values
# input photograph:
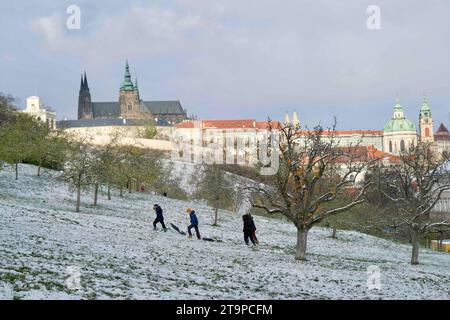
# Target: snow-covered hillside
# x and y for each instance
(120, 256)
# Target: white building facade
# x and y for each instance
(35, 108)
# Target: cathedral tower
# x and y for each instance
(426, 123)
(84, 100)
(129, 100)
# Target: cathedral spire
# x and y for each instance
(82, 83)
(127, 84)
(86, 86)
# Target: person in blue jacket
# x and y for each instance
(159, 217)
(194, 223)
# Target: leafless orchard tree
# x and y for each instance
(415, 185)
(77, 168)
(314, 173)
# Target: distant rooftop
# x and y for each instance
(66, 124)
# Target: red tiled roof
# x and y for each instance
(442, 134)
(442, 129)
(265, 124)
(185, 125)
(374, 153)
(229, 124)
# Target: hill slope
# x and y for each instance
(120, 256)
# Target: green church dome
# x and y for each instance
(399, 125)
(399, 122)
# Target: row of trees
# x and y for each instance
(111, 166)
(318, 180)
(25, 139)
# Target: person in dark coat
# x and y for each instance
(194, 223)
(253, 227)
(249, 229)
(159, 217)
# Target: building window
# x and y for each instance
(402, 146)
(130, 107)
(390, 146)
(427, 132)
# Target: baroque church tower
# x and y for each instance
(426, 123)
(129, 99)
(84, 100)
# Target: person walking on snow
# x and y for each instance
(159, 217)
(194, 223)
(249, 229)
(253, 227)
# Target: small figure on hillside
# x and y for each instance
(142, 188)
(165, 194)
(194, 224)
(249, 229)
(159, 217)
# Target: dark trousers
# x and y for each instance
(247, 236)
(196, 231)
(160, 221)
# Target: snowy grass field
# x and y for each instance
(120, 256)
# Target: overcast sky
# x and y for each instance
(235, 58)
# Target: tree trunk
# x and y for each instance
(302, 239)
(95, 194)
(121, 190)
(216, 214)
(78, 198)
(129, 186)
(415, 248)
(39, 168)
(137, 186)
(334, 233)
(17, 171)
(109, 191)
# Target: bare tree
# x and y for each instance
(77, 169)
(314, 173)
(215, 186)
(415, 185)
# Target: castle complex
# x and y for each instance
(397, 136)
(129, 105)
